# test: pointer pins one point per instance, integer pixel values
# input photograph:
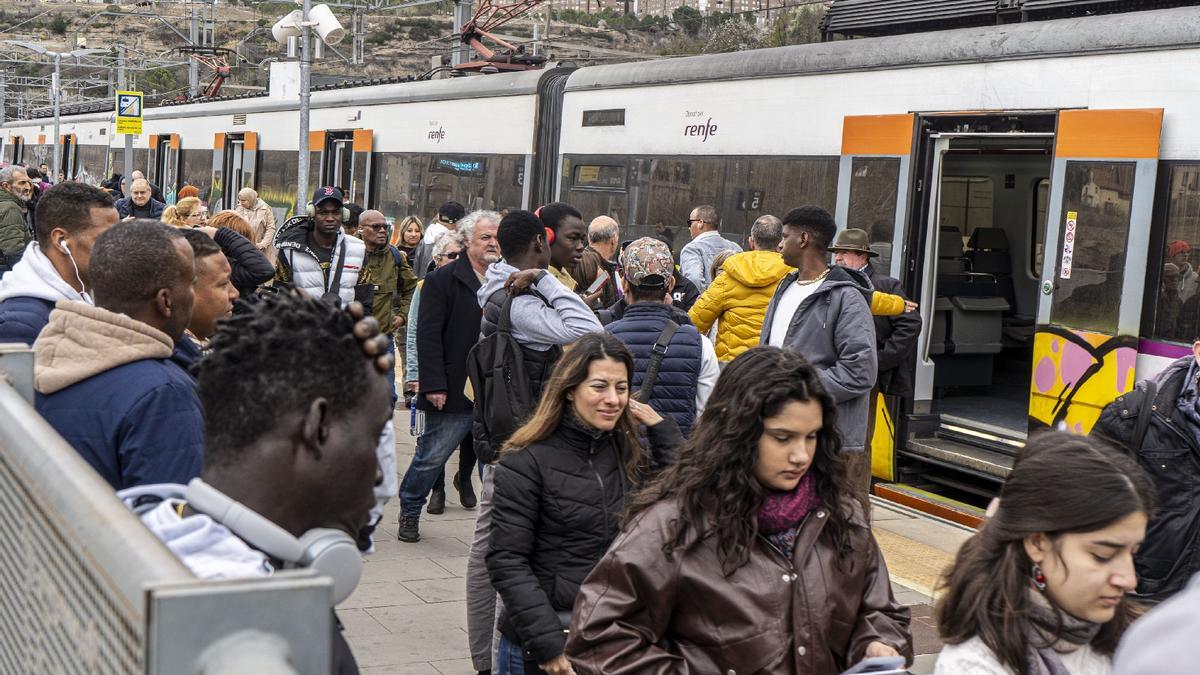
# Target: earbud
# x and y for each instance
(63, 245)
(549, 236)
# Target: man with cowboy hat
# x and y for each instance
(895, 336)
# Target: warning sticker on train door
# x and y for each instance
(1068, 253)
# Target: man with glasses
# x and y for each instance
(316, 256)
(695, 260)
(389, 280)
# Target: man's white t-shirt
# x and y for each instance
(789, 302)
(435, 230)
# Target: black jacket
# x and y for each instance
(554, 513)
(447, 328)
(248, 266)
(1168, 452)
(896, 339)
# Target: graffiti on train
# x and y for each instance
(1076, 374)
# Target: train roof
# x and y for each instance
(891, 17)
(1136, 31)
(334, 96)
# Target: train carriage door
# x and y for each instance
(70, 150)
(360, 167)
(873, 196)
(164, 164)
(249, 177)
(17, 145)
(1093, 270)
(217, 190)
(234, 167)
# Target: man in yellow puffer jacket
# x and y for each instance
(737, 299)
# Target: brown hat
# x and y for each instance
(853, 239)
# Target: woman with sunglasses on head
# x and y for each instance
(561, 481)
(1040, 590)
(751, 554)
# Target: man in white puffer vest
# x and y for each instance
(315, 256)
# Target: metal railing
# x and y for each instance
(86, 588)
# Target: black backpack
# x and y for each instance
(496, 368)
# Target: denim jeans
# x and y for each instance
(391, 373)
(443, 433)
(512, 659)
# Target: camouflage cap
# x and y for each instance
(648, 263)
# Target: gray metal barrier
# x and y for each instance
(86, 588)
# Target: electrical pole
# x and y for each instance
(3, 94)
(305, 95)
(194, 65)
(56, 94)
(121, 84)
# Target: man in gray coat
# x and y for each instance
(695, 260)
(820, 312)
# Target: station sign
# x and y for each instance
(129, 112)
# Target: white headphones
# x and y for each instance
(330, 552)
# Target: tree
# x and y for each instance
(732, 36)
(797, 27)
(58, 25)
(689, 19)
(161, 80)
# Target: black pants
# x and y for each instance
(466, 464)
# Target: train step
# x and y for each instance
(974, 459)
(971, 432)
(929, 503)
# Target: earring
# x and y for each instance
(1039, 578)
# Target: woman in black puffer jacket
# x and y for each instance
(562, 481)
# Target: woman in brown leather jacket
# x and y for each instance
(749, 555)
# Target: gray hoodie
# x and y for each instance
(834, 331)
(1163, 641)
(552, 316)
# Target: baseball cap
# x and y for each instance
(648, 263)
(326, 193)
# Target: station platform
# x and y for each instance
(409, 614)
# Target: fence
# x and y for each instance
(86, 588)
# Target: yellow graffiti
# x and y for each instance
(1076, 374)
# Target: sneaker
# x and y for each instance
(466, 492)
(366, 543)
(410, 529)
(437, 502)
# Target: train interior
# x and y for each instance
(990, 215)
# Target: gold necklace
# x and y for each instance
(819, 279)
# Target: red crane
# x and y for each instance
(490, 16)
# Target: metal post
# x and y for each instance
(193, 64)
(121, 84)
(3, 94)
(56, 94)
(305, 95)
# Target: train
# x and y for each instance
(1035, 186)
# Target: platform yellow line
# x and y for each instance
(911, 563)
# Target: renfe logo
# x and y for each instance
(703, 130)
(437, 134)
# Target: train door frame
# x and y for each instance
(233, 152)
(69, 149)
(17, 146)
(1062, 394)
(346, 162)
(888, 139)
(165, 163)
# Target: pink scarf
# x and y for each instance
(784, 510)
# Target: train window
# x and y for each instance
(599, 177)
(967, 203)
(459, 166)
(614, 117)
(417, 184)
(874, 187)
(1041, 198)
(1177, 305)
(1091, 269)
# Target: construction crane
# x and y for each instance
(505, 56)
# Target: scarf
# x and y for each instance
(781, 513)
(1053, 631)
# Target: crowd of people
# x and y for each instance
(673, 456)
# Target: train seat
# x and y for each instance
(991, 254)
(937, 331)
(950, 252)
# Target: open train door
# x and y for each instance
(873, 194)
(360, 168)
(164, 164)
(235, 161)
(1093, 268)
(68, 144)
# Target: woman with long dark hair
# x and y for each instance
(751, 554)
(562, 481)
(1040, 590)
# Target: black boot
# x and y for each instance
(466, 491)
(410, 529)
(437, 502)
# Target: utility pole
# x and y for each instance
(305, 96)
(194, 65)
(121, 84)
(3, 94)
(462, 14)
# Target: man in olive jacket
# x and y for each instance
(15, 191)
